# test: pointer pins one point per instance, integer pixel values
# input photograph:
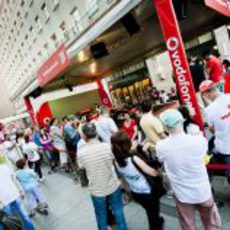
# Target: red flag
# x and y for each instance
(178, 58)
(30, 109)
(44, 115)
(103, 95)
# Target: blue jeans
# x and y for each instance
(100, 207)
(2, 227)
(16, 207)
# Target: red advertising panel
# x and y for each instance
(103, 95)
(58, 62)
(30, 110)
(222, 6)
(178, 59)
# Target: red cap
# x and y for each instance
(206, 85)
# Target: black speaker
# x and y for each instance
(130, 24)
(36, 93)
(69, 87)
(180, 7)
(98, 50)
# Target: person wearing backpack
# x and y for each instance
(133, 168)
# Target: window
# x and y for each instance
(33, 34)
(92, 7)
(39, 25)
(46, 46)
(55, 4)
(31, 3)
(46, 12)
(54, 39)
(22, 3)
(26, 37)
(77, 19)
(26, 14)
(63, 26)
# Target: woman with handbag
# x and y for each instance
(49, 150)
(131, 168)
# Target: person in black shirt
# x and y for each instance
(197, 72)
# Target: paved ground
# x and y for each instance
(71, 208)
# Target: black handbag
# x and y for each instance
(10, 223)
(156, 183)
(83, 177)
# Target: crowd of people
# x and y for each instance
(133, 151)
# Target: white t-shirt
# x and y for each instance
(183, 158)
(106, 127)
(218, 115)
(12, 153)
(8, 190)
(31, 150)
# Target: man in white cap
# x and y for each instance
(218, 116)
(183, 158)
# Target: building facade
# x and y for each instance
(31, 30)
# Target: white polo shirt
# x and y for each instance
(218, 115)
(183, 158)
(106, 127)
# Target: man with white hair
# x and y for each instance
(218, 116)
(106, 126)
(183, 157)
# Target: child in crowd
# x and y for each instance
(28, 180)
(31, 153)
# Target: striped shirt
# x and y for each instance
(97, 159)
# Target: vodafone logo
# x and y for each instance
(180, 72)
(62, 57)
(105, 101)
(172, 43)
(46, 120)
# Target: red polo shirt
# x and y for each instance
(214, 64)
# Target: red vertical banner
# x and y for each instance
(44, 115)
(30, 110)
(182, 75)
(105, 100)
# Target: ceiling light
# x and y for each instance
(81, 56)
(93, 67)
